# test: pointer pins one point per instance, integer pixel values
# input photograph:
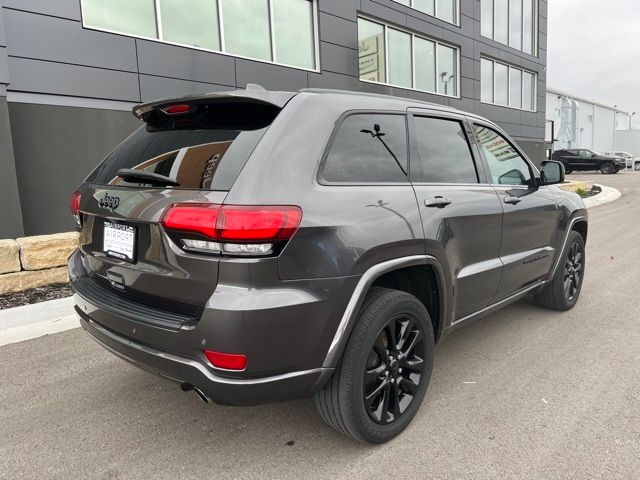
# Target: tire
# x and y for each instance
(567, 172)
(555, 295)
(341, 402)
(607, 168)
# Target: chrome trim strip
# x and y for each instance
(511, 297)
(363, 284)
(188, 362)
(564, 245)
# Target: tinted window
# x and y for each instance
(368, 148)
(204, 151)
(505, 163)
(444, 153)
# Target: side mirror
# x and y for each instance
(551, 173)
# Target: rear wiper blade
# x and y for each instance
(146, 177)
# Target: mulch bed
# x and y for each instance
(41, 294)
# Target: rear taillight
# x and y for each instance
(228, 361)
(74, 204)
(235, 230)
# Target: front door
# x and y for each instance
(531, 214)
(461, 213)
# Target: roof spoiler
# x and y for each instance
(252, 94)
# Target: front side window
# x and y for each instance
(368, 148)
(506, 165)
(510, 22)
(394, 57)
(278, 31)
(444, 155)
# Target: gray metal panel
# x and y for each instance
(338, 30)
(155, 58)
(337, 59)
(57, 8)
(10, 213)
(271, 77)
(157, 88)
(46, 38)
(334, 81)
(343, 8)
(389, 13)
(70, 142)
(62, 79)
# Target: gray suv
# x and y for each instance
(260, 246)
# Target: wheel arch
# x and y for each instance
(397, 274)
(582, 227)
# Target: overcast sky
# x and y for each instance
(594, 51)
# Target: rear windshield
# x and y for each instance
(205, 150)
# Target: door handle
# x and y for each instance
(437, 202)
(512, 200)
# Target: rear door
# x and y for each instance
(531, 214)
(461, 213)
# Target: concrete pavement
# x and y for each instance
(524, 393)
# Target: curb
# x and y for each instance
(607, 195)
(36, 320)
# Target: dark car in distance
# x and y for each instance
(586, 160)
(260, 246)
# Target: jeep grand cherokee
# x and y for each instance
(261, 246)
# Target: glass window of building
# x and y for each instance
(196, 26)
(510, 22)
(399, 58)
(394, 57)
(515, 88)
(277, 31)
(501, 88)
(247, 35)
(425, 58)
(294, 33)
(528, 91)
(426, 6)
(486, 80)
(447, 70)
(515, 24)
(361, 154)
(446, 10)
(443, 151)
(133, 17)
(486, 19)
(507, 85)
(371, 51)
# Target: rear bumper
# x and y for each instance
(222, 390)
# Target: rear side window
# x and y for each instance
(205, 150)
(444, 154)
(368, 148)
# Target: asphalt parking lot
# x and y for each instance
(523, 393)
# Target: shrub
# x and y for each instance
(583, 192)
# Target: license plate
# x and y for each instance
(119, 241)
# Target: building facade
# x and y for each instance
(71, 70)
(582, 123)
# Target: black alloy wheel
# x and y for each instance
(607, 168)
(573, 272)
(394, 369)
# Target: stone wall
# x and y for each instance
(32, 262)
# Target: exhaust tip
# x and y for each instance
(187, 387)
